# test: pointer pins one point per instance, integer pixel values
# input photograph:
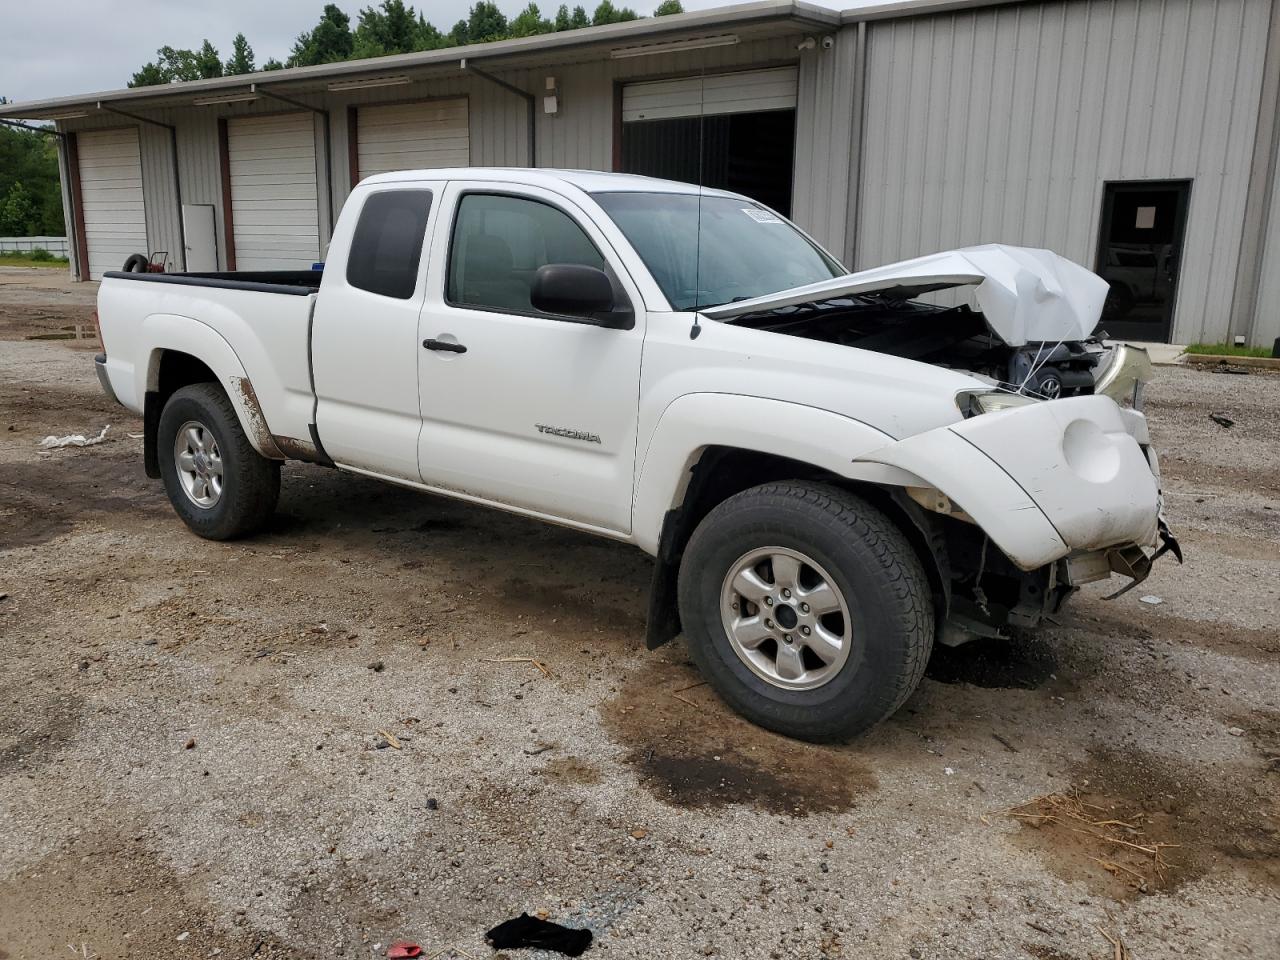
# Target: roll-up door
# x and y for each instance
(734, 131)
(115, 226)
(751, 91)
(275, 208)
(412, 136)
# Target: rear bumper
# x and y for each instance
(1043, 481)
(104, 380)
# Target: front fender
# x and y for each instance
(163, 332)
(693, 422)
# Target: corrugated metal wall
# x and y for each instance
(1266, 318)
(1003, 124)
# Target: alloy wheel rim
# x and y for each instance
(199, 464)
(786, 618)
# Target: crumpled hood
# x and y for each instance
(1026, 294)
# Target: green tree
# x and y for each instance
(579, 19)
(273, 64)
(207, 62)
(18, 212)
(486, 22)
(530, 22)
(608, 13)
(391, 28)
(562, 18)
(668, 7)
(151, 75)
(328, 41)
(429, 38)
(241, 57)
(458, 36)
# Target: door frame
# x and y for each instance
(1112, 187)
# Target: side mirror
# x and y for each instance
(575, 290)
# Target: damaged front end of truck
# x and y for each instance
(1046, 480)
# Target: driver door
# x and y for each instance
(521, 407)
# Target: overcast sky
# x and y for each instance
(51, 48)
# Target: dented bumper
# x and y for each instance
(1044, 481)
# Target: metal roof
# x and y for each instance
(522, 51)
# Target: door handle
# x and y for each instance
(446, 345)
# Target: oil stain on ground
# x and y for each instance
(1125, 802)
(689, 750)
(998, 664)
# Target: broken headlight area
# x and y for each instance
(1122, 373)
(975, 402)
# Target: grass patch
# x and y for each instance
(1227, 350)
(35, 258)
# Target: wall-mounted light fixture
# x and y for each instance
(551, 101)
(396, 81)
(674, 46)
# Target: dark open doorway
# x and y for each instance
(1139, 254)
(748, 153)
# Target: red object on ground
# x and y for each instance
(402, 949)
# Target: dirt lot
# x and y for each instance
(194, 756)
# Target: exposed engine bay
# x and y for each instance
(955, 337)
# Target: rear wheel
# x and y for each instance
(219, 485)
(807, 609)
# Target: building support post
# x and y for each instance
(530, 100)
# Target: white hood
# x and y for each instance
(1026, 295)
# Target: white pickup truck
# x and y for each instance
(829, 473)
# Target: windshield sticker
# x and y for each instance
(761, 216)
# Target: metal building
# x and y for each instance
(1139, 137)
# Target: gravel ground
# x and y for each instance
(195, 758)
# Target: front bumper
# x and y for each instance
(1046, 481)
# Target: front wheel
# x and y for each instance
(219, 485)
(806, 609)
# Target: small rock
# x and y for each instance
(914, 953)
(190, 744)
(1151, 600)
(1236, 731)
(377, 666)
(433, 803)
(639, 834)
(183, 935)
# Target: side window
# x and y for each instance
(499, 243)
(387, 245)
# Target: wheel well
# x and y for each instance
(722, 472)
(174, 371)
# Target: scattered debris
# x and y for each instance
(639, 833)
(1117, 944)
(537, 663)
(540, 748)
(182, 936)
(1005, 743)
(377, 666)
(527, 931)
(190, 744)
(433, 803)
(390, 739)
(1151, 600)
(1222, 420)
(74, 440)
(402, 949)
(1236, 731)
(1146, 863)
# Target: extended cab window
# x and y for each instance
(499, 242)
(387, 246)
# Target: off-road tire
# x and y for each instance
(871, 562)
(251, 482)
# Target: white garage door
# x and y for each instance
(115, 226)
(750, 91)
(412, 136)
(274, 206)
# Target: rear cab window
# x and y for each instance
(386, 248)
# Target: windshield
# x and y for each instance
(730, 250)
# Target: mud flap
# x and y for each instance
(151, 408)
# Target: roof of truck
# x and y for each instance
(589, 181)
